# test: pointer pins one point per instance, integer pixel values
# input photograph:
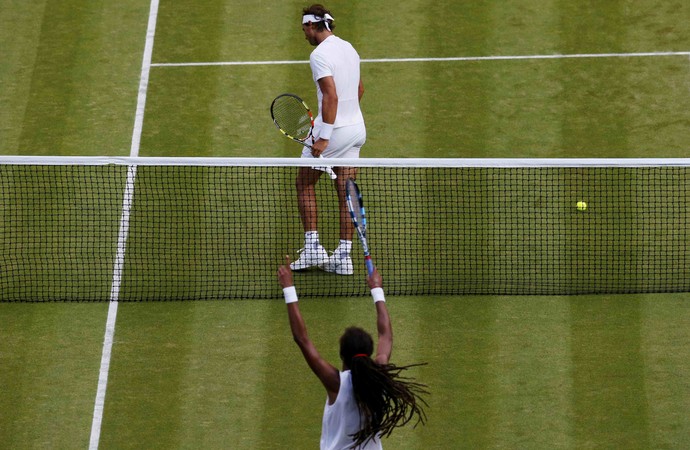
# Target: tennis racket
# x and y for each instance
(294, 119)
(359, 219)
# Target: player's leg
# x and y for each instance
(347, 229)
(313, 253)
(340, 261)
(306, 197)
(348, 141)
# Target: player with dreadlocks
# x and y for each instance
(370, 397)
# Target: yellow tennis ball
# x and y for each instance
(581, 206)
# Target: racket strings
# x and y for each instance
(292, 117)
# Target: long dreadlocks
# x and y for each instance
(386, 399)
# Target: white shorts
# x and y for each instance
(345, 142)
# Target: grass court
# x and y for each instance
(488, 79)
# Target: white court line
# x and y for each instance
(458, 58)
(123, 231)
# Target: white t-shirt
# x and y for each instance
(337, 58)
(341, 420)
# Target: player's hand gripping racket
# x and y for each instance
(359, 219)
(294, 119)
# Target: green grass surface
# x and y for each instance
(505, 372)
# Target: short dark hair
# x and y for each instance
(319, 11)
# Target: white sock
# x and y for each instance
(311, 239)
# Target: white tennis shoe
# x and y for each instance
(339, 263)
(316, 256)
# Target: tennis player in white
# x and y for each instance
(368, 397)
(339, 132)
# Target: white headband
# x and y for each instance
(311, 18)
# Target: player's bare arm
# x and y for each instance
(329, 110)
(384, 347)
(325, 372)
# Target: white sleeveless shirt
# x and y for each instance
(341, 420)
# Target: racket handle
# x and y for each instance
(328, 170)
(369, 263)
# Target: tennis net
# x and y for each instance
(136, 229)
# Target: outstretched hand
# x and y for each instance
(285, 274)
(375, 280)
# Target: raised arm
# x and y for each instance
(383, 322)
(326, 372)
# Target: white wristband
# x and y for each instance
(290, 294)
(377, 294)
(326, 131)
